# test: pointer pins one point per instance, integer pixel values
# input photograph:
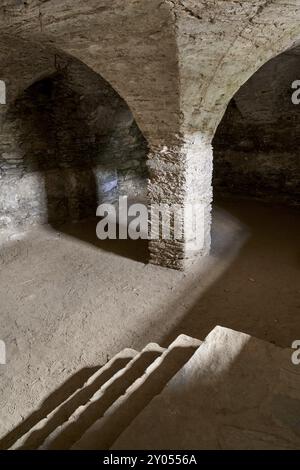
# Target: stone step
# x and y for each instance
(236, 392)
(44, 426)
(104, 431)
(65, 435)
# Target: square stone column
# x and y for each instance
(181, 180)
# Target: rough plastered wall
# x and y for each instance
(177, 64)
(130, 43)
(257, 144)
(67, 143)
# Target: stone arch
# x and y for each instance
(220, 102)
(255, 144)
(177, 63)
(133, 45)
(229, 44)
(221, 46)
(33, 191)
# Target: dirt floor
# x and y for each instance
(70, 302)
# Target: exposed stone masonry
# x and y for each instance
(177, 64)
(68, 143)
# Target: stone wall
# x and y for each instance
(176, 63)
(257, 144)
(68, 143)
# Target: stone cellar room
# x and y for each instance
(149, 225)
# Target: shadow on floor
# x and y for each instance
(259, 292)
(73, 395)
(136, 250)
(51, 402)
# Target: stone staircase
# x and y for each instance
(231, 391)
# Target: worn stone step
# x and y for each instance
(44, 426)
(65, 435)
(103, 433)
(236, 392)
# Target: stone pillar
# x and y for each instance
(181, 177)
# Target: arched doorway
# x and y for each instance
(69, 143)
(256, 146)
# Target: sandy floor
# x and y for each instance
(70, 302)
